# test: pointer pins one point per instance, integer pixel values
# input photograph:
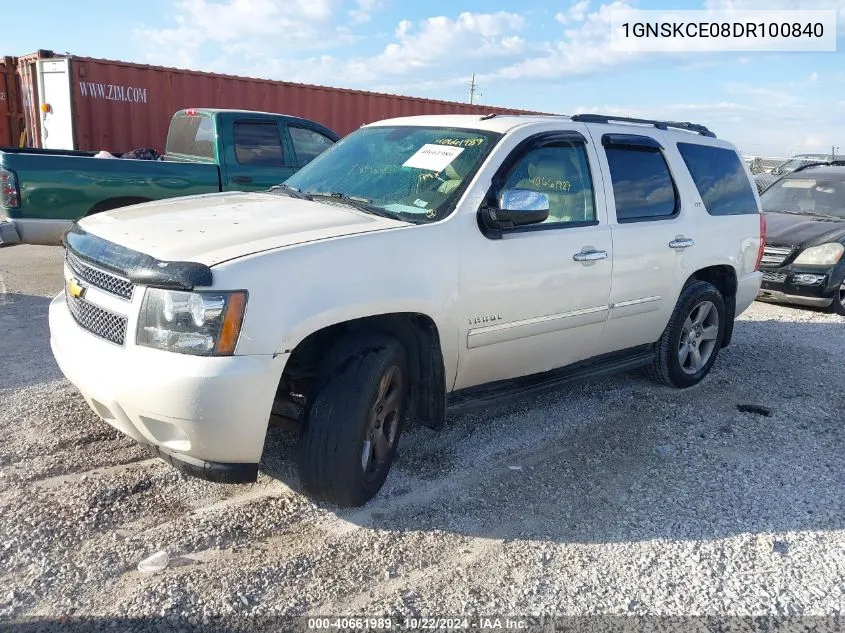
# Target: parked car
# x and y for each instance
(767, 179)
(419, 262)
(802, 262)
(42, 192)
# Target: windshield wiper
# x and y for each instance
(362, 204)
(290, 191)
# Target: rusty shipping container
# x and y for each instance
(119, 106)
(7, 79)
(11, 113)
(27, 86)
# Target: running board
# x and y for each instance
(491, 394)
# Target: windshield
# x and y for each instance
(822, 196)
(412, 173)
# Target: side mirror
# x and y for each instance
(518, 207)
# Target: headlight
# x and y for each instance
(824, 255)
(201, 323)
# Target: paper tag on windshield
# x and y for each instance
(433, 157)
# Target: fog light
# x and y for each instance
(807, 279)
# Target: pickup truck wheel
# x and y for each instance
(354, 422)
(691, 341)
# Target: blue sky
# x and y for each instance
(542, 55)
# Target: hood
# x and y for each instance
(213, 228)
(802, 230)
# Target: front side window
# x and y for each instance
(562, 173)
(807, 195)
(642, 185)
(308, 144)
(413, 173)
(720, 179)
(258, 143)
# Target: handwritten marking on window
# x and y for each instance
(549, 183)
(374, 169)
(460, 142)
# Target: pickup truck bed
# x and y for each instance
(43, 192)
(69, 185)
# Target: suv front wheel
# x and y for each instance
(354, 422)
(688, 347)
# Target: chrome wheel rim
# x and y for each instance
(842, 295)
(698, 337)
(382, 428)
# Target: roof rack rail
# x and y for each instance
(660, 125)
(820, 163)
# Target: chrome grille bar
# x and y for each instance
(109, 282)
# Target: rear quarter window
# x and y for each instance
(720, 178)
(191, 136)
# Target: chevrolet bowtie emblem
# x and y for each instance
(74, 289)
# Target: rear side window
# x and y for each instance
(642, 185)
(258, 143)
(191, 136)
(308, 144)
(720, 179)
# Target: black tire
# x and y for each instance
(838, 305)
(343, 415)
(668, 367)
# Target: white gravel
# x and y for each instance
(617, 497)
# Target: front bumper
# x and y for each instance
(207, 416)
(813, 286)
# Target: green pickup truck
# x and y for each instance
(43, 192)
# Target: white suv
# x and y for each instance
(419, 262)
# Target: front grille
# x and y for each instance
(109, 282)
(775, 256)
(777, 278)
(107, 325)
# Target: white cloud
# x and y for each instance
(402, 28)
(428, 50)
(774, 5)
(575, 13)
(584, 49)
(363, 10)
(249, 27)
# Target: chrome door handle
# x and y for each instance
(681, 242)
(589, 256)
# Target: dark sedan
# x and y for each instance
(805, 239)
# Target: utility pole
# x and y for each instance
(473, 89)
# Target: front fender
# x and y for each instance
(296, 291)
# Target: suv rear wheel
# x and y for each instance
(355, 420)
(688, 347)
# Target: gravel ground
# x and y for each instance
(618, 497)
